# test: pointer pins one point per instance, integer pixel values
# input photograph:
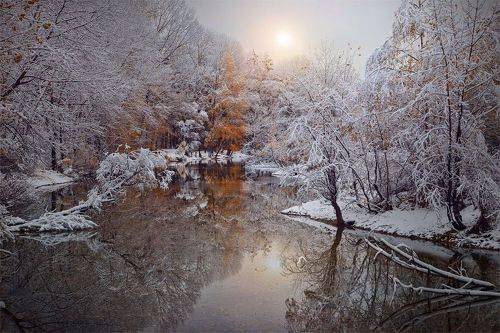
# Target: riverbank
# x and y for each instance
(48, 178)
(423, 224)
(203, 157)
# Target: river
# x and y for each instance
(213, 254)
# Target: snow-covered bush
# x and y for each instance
(142, 169)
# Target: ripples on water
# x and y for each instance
(213, 254)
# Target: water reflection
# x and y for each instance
(213, 253)
(352, 291)
(147, 265)
(53, 198)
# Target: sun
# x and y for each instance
(283, 39)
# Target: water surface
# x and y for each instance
(213, 254)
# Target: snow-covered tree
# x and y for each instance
(431, 86)
(141, 169)
(319, 147)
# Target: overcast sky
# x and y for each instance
(302, 24)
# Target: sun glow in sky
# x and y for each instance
(283, 38)
(287, 28)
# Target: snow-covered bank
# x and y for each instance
(174, 156)
(50, 178)
(270, 168)
(419, 223)
(43, 178)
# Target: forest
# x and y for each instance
(81, 80)
(126, 94)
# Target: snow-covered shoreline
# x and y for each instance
(203, 157)
(48, 178)
(271, 168)
(418, 223)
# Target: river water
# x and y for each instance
(213, 254)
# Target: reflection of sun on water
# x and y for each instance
(273, 263)
(270, 262)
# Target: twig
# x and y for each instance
(448, 291)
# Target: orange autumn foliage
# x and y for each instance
(142, 124)
(226, 123)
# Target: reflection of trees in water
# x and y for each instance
(56, 200)
(224, 189)
(152, 256)
(153, 261)
(350, 289)
(133, 281)
(156, 251)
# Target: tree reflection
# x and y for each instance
(154, 254)
(350, 290)
(328, 281)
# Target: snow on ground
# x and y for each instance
(174, 156)
(420, 223)
(42, 178)
(267, 168)
(239, 157)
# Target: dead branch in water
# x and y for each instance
(410, 260)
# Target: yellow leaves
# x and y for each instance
(47, 25)
(39, 39)
(66, 162)
(229, 67)
(227, 128)
(234, 84)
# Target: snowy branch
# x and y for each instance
(409, 260)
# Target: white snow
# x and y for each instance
(173, 156)
(421, 223)
(238, 156)
(43, 178)
(269, 168)
(52, 222)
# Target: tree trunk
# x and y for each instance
(53, 158)
(331, 184)
(453, 202)
(338, 212)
